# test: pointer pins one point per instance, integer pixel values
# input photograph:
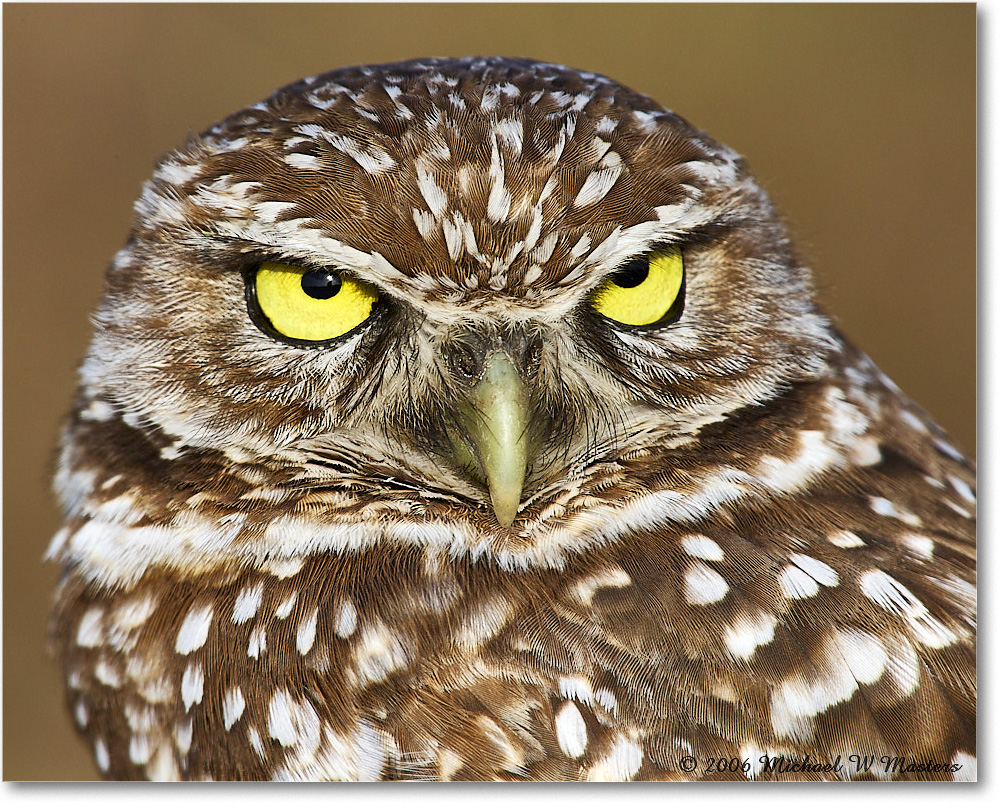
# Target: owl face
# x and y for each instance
(435, 296)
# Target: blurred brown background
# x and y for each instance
(860, 120)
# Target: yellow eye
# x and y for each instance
(311, 304)
(645, 291)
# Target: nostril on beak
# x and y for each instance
(469, 351)
(524, 350)
(466, 361)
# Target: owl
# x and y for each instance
(475, 420)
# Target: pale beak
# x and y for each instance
(495, 417)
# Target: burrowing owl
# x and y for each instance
(475, 420)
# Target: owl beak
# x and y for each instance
(495, 417)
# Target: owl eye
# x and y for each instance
(310, 304)
(647, 291)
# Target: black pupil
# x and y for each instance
(320, 284)
(633, 274)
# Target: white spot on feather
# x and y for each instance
(284, 568)
(233, 705)
(820, 571)
(888, 593)
(182, 735)
(135, 612)
(846, 539)
(606, 125)
(701, 547)
(672, 213)
(121, 509)
(448, 763)
(482, 622)
(452, 230)
(284, 609)
(541, 254)
(913, 421)
(510, 131)
(257, 643)
(175, 173)
(815, 455)
(425, 223)
(960, 591)
(829, 680)
(74, 680)
(903, 665)
(948, 450)
(498, 204)
(920, 546)
(347, 619)
(373, 160)
(962, 488)
(703, 585)
(967, 767)
(359, 756)
(254, 737)
(894, 597)
(864, 654)
(192, 685)
(958, 509)
(57, 543)
(600, 181)
(796, 703)
(101, 755)
(576, 687)
(532, 275)
(247, 603)
(571, 730)
(610, 576)
(80, 713)
(279, 719)
(107, 674)
(270, 211)
(378, 653)
(620, 764)
(91, 630)
(747, 633)
(294, 723)
(865, 452)
(796, 583)
(930, 631)
(139, 750)
(647, 122)
(110, 482)
(751, 754)
(139, 718)
(163, 767)
(580, 248)
(606, 699)
(437, 200)
(194, 630)
(887, 508)
(303, 161)
(306, 633)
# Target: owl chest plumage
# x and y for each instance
(736, 635)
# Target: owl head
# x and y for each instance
(480, 304)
